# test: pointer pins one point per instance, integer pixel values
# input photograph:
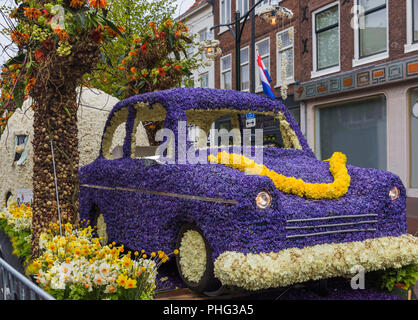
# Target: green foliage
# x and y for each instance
(406, 276)
(135, 17)
(22, 248)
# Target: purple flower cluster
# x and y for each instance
(150, 213)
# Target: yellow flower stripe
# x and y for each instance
(333, 190)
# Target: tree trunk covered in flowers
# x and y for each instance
(55, 120)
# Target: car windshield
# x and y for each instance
(226, 128)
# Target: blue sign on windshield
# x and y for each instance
(250, 116)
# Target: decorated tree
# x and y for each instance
(58, 41)
(154, 56)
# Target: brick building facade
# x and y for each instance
(354, 86)
(363, 102)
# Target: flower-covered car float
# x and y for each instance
(236, 221)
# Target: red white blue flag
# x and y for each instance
(265, 79)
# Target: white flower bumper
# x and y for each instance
(289, 266)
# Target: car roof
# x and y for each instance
(181, 99)
(177, 101)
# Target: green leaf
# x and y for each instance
(171, 40)
(120, 91)
(110, 24)
(68, 112)
(177, 55)
(140, 84)
(106, 59)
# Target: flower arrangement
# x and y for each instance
(291, 185)
(274, 269)
(403, 278)
(261, 238)
(58, 43)
(46, 29)
(75, 265)
(193, 258)
(16, 221)
(157, 59)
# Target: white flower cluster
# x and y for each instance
(289, 266)
(77, 259)
(19, 217)
(192, 256)
(91, 275)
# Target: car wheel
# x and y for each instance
(194, 260)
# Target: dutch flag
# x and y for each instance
(265, 79)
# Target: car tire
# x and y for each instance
(203, 281)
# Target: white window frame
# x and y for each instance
(226, 70)
(291, 79)
(410, 45)
(357, 61)
(258, 85)
(228, 16)
(315, 72)
(237, 5)
(244, 64)
(201, 77)
(205, 32)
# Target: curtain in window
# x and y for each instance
(356, 128)
(327, 38)
(373, 27)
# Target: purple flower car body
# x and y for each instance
(209, 211)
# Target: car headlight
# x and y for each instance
(394, 193)
(263, 200)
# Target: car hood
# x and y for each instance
(364, 211)
(301, 165)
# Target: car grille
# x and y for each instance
(311, 227)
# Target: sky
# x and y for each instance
(182, 5)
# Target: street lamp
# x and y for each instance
(211, 49)
(271, 14)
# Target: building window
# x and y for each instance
(225, 11)
(356, 128)
(414, 21)
(203, 35)
(263, 49)
(204, 80)
(414, 138)
(326, 37)
(226, 72)
(373, 27)
(245, 69)
(411, 26)
(20, 145)
(242, 6)
(286, 38)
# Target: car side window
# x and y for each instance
(148, 122)
(114, 135)
(277, 132)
